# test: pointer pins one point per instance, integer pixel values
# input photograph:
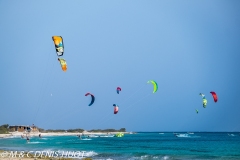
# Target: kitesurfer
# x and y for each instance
(28, 139)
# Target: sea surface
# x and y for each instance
(140, 146)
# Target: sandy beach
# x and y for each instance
(36, 134)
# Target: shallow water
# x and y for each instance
(144, 146)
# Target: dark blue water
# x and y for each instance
(144, 146)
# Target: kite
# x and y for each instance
(155, 86)
(93, 98)
(63, 64)
(204, 100)
(58, 41)
(118, 89)
(196, 111)
(119, 135)
(215, 98)
(115, 108)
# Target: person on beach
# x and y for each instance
(40, 136)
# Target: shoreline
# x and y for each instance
(36, 134)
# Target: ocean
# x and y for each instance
(140, 146)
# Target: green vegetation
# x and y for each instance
(41, 130)
(62, 130)
(4, 129)
(108, 130)
(81, 130)
(55, 130)
(75, 130)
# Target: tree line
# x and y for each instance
(4, 129)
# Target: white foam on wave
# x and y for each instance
(186, 136)
(165, 158)
(90, 153)
(183, 135)
(105, 159)
(86, 139)
(35, 142)
(143, 157)
(107, 136)
(12, 137)
(147, 157)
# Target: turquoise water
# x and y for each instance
(145, 146)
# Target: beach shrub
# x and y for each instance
(123, 130)
(41, 130)
(4, 129)
(61, 130)
(108, 130)
(75, 130)
(55, 130)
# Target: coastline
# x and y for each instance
(36, 134)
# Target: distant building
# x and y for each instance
(23, 128)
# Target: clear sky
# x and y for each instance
(187, 47)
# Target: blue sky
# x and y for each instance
(187, 47)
